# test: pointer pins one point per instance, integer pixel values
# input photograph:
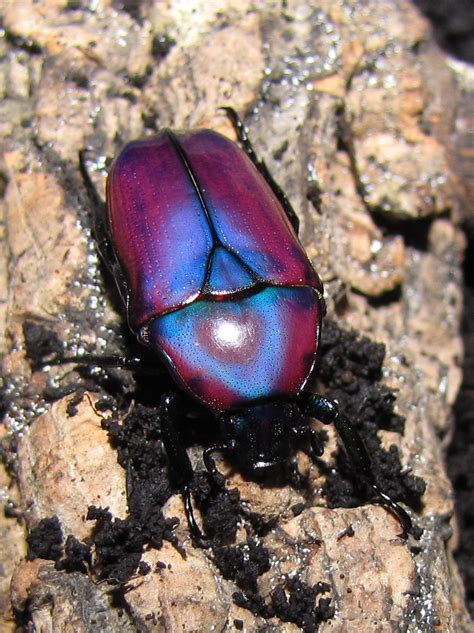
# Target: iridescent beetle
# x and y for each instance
(203, 246)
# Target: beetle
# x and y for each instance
(203, 246)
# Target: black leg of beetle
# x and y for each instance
(100, 221)
(328, 412)
(261, 166)
(311, 437)
(307, 439)
(209, 462)
(180, 465)
(122, 362)
(216, 477)
(98, 361)
(90, 186)
(100, 224)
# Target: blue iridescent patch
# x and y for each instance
(227, 273)
(228, 352)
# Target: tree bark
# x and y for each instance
(353, 108)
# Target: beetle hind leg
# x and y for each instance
(247, 146)
(328, 412)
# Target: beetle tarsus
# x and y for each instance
(195, 530)
(90, 186)
(393, 507)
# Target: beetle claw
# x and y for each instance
(401, 514)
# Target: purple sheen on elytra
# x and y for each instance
(164, 235)
(159, 228)
(227, 274)
(228, 353)
(245, 212)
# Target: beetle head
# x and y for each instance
(259, 438)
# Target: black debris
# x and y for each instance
(294, 601)
(77, 556)
(243, 563)
(46, 540)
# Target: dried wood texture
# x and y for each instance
(353, 108)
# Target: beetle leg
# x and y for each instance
(216, 477)
(100, 223)
(328, 412)
(122, 362)
(311, 436)
(209, 462)
(311, 445)
(195, 530)
(99, 361)
(247, 146)
(180, 465)
(90, 186)
(101, 229)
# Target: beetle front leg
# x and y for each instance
(113, 361)
(328, 412)
(247, 146)
(180, 465)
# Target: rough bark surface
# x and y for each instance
(354, 110)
